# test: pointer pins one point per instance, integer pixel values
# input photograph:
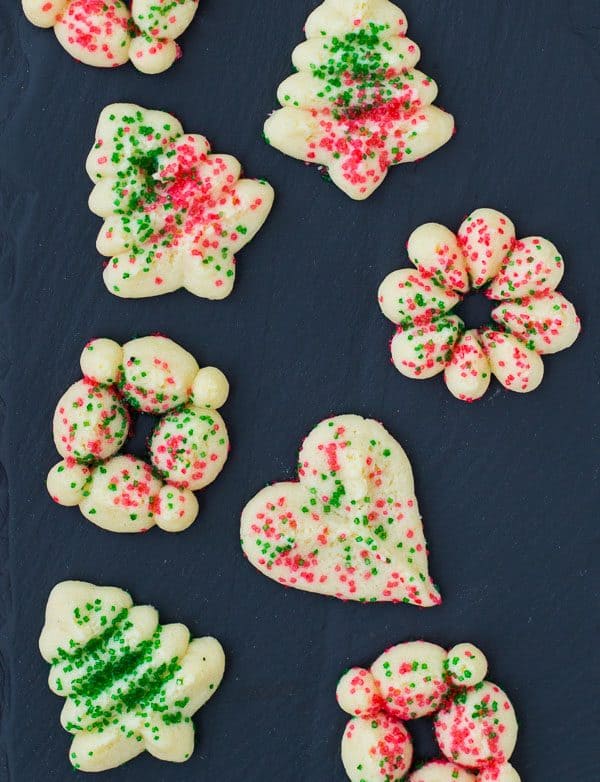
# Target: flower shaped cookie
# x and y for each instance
(108, 33)
(475, 723)
(357, 105)
(174, 213)
(188, 448)
(531, 319)
(350, 527)
(130, 683)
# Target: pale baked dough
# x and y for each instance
(475, 723)
(188, 448)
(357, 105)
(109, 33)
(531, 319)
(174, 212)
(350, 527)
(130, 683)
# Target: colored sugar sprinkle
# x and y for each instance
(356, 104)
(531, 319)
(175, 213)
(187, 450)
(350, 527)
(130, 683)
(109, 33)
(475, 723)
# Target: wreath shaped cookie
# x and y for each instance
(531, 319)
(187, 451)
(109, 33)
(357, 105)
(174, 213)
(350, 526)
(130, 683)
(474, 721)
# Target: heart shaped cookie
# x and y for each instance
(350, 526)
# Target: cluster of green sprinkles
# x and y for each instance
(175, 213)
(130, 683)
(356, 105)
(111, 677)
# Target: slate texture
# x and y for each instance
(508, 487)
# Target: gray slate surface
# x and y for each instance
(508, 487)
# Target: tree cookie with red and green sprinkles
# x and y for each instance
(131, 684)
(109, 33)
(357, 105)
(475, 723)
(530, 320)
(350, 526)
(174, 212)
(187, 450)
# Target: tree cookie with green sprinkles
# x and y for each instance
(187, 450)
(531, 318)
(356, 104)
(350, 526)
(109, 33)
(474, 721)
(174, 212)
(131, 684)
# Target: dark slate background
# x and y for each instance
(507, 486)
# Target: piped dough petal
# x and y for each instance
(486, 237)
(425, 351)
(517, 367)
(533, 267)
(547, 323)
(468, 374)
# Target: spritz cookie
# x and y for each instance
(174, 212)
(475, 723)
(130, 683)
(109, 33)
(187, 451)
(350, 526)
(530, 320)
(357, 105)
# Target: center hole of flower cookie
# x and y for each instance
(475, 310)
(423, 737)
(141, 428)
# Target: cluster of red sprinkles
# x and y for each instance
(474, 721)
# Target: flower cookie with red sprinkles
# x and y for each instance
(350, 526)
(130, 684)
(109, 33)
(187, 451)
(530, 320)
(174, 212)
(357, 105)
(474, 721)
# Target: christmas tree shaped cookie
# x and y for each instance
(130, 683)
(174, 213)
(350, 527)
(357, 105)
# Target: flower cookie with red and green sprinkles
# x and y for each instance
(187, 450)
(174, 212)
(356, 104)
(109, 33)
(350, 526)
(130, 683)
(530, 320)
(475, 723)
